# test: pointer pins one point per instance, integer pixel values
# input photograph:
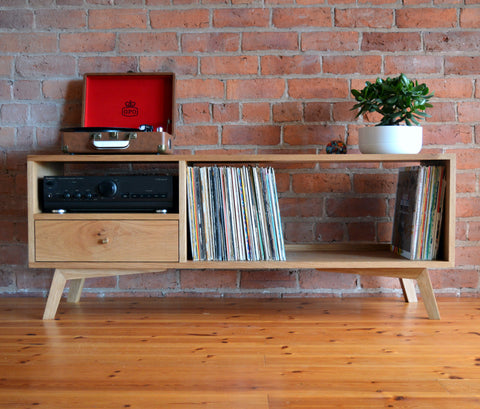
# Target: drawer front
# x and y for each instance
(106, 240)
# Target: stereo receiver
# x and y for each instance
(104, 194)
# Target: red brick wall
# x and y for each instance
(252, 76)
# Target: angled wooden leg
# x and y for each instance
(409, 290)
(54, 295)
(426, 290)
(75, 291)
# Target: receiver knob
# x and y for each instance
(107, 188)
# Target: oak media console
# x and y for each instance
(84, 245)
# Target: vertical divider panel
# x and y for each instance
(182, 210)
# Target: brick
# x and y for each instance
(25, 89)
(45, 66)
(195, 135)
(329, 232)
(452, 41)
(391, 42)
(466, 183)
(342, 111)
(87, 42)
(468, 207)
(299, 232)
(318, 111)
(147, 42)
(467, 256)
(329, 41)
(237, 65)
(474, 231)
(71, 114)
(267, 279)
(462, 65)
(48, 138)
(28, 43)
(301, 207)
(7, 136)
(44, 113)
(324, 88)
(321, 183)
(288, 65)
(14, 113)
(19, 19)
(60, 19)
(287, 112)
(468, 111)
(13, 254)
(413, 64)
(430, 17)
(251, 135)
(109, 19)
(313, 279)
(7, 276)
(210, 42)
(447, 134)
(298, 135)
(190, 18)
(356, 207)
(6, 64)
(451, 88)
(374, 282)
(269, 41)
(469, 17)
(367, 65)
(442, 112)
(458, 278)
(467, 158)
(256, 112)
(198, 279)
(241, 17)
(364, 17)
(227, 112)
(461, 230)
(301, 17)
(106, 64)
(261, 88)
(374, 183)
(196, 112)
(199, 88)
(361, 232)
(180, 65)
(33, 279)
(6, 90)
(384, 232)
(25, 138)
(147, 281)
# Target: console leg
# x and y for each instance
(54, 295)
(75, 291)
(409, 290)
(426, 290)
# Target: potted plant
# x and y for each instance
(401, 103)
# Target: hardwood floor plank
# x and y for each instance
(239, 353)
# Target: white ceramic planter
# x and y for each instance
(390, 139)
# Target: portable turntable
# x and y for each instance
(124, 113)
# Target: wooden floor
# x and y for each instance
(239, 353)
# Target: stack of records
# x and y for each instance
(418, 212)
(233, 214)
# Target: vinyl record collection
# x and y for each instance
(233, 214)
(418, 212)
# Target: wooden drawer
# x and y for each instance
(106, 240)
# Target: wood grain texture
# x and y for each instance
(106, 240)
(240, 353)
